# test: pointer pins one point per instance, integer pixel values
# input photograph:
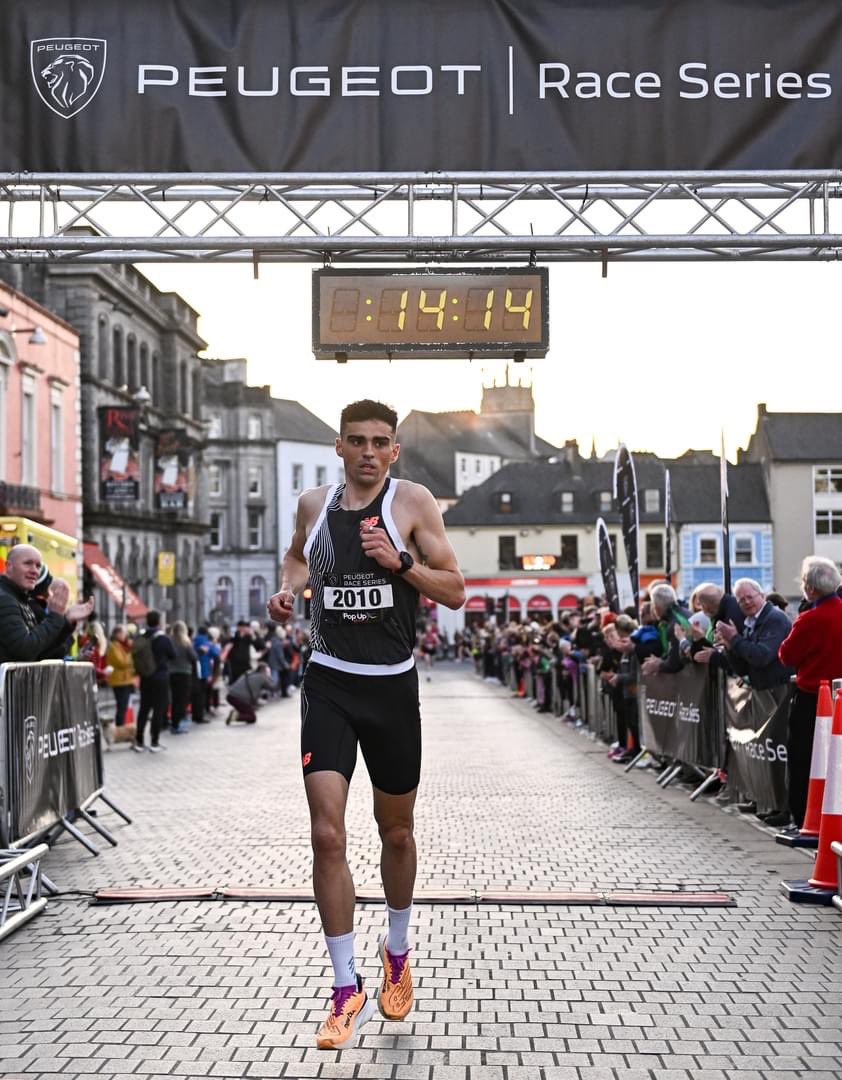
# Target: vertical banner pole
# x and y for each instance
(723, 500)
(667, 528)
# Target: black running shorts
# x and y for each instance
(380, 712)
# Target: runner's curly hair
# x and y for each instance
(366, 409)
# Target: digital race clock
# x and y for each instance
(381, 314)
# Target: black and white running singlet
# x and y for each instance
(362, 616)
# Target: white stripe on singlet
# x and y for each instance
(388, 520)
(350, 668)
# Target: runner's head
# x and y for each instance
(366, 441)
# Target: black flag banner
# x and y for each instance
(607, 566)
(625, 492)
(376, 86)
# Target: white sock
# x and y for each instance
(398, 940)
(341, 951)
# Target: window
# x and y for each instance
(144, 366)
(182, 387)
(606, 501)
(28, 431)
(255, 426)
(102, 347)
(505, 503)
(569, 552)
(217, 530)
(225, 596)
(131, 362)
(708, 549)
(321, 475)
(255, 539)
(119, 374)
(651, 500)
(257, 598)
(827, 480)
(506, 553)
(214, 479)
(828, 522)
(5, 360)
(567, 502)
(743, 549)
(56, 440)
(196, 394)
(215, 426)
(255, 480)
(654, 550)
(297, 477)
(463, 464)
(477, 465)
(155, 388)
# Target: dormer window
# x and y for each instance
(567, 502)
(652, 501)
(504, 502)
(606, 501)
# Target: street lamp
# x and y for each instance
(37, 335)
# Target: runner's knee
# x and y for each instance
(328, 840)
(397, 837)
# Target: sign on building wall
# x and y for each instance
(119, 454)
(174, 470)
(166, 568)
(374, 85)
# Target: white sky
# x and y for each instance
(659, 356)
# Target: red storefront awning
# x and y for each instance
(569, 601)
(475, 603)
(539, 603)
(111, 583)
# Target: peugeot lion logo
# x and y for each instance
(67, 72)
(29, 747)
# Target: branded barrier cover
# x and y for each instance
(374, 85)
(51, 751)
(681, 716)
(756, 727)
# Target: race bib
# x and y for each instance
(356, 598)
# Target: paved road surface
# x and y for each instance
(510, 800)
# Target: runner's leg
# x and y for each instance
(398, 859)
(327, 796)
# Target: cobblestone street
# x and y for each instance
(510, 800)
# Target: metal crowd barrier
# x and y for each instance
(20, 887)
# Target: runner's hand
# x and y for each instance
(280, 605)
(377, 545)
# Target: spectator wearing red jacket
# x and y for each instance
(814, 648)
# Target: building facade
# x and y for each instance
(800, 455)
(40, 415)
(141, 434)
(241, 557)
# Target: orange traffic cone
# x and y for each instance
(818, 762)
(129, 720)
(822, 885)
(824, 872)
(808, 835)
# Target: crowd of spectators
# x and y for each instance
(749, 635)
(163, 679)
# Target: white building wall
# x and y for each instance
(311, 457)
(472, 469)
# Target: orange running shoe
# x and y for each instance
(349, 1010)
(395, 997)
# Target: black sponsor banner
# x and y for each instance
(119, 454)
(668, 527)
(625, 492)
(51, 744)
(374, 85)
(756, 727)
(680, 716)
(607, 566)
(174, 470)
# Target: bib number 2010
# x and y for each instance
(369, 598)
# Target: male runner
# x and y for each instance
(368, 547)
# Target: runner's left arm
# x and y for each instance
(437, 574)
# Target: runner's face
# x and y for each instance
(367, 448)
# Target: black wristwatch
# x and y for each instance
(407, 562)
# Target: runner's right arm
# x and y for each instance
(294, 570)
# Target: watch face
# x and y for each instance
(406, 561)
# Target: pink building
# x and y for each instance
(40, 433)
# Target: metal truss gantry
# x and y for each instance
(421, 217)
